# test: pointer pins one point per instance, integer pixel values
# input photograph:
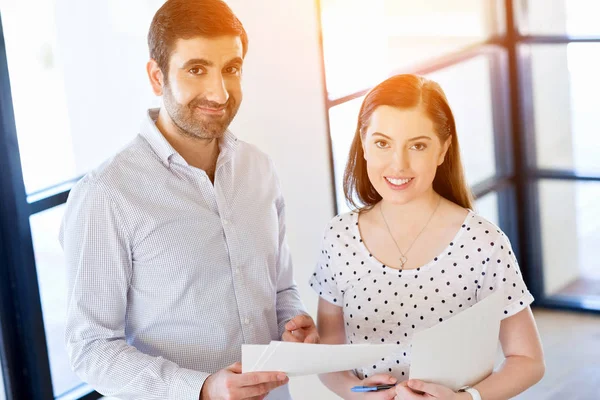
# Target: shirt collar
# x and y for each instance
(155, 138)
(162, 148)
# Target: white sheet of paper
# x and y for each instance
(461, 350)
(296, 359)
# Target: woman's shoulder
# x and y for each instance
(342, 220)
(341, 225)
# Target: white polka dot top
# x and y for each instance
(386, 305)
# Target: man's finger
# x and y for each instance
(312, 338)
(260, 389)
(257, 378)
(289, 337)
(299, 321)
(235, 368)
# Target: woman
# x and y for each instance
(414, 254)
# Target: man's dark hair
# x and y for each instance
(186, 19)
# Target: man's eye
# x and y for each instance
(232, 70)
(196, 71)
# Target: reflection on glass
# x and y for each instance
(468, 88)
(50, 265)
(566, 111)
(2, 392)
(487, 207)
(78, 81)
(559, 17)
(364, 41)
(342, 122)
(570, 222)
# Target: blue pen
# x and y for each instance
(371, 388)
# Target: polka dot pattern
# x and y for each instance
(385, 305)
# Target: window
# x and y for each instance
(364, 41)
(71, 67)
(2, 392)
(522, 84)
(559, 17)
(50, 265)
(487, 206)
(79, 90)
(566, 133)
(468, 87)
(570, 221)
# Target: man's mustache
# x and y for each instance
(203, 103)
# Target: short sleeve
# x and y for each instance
(323, 279)
(501, 272)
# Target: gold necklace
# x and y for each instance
(403, 258)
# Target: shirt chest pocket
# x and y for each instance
(179, 249)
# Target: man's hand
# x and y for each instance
(231, 384)
(301, 329)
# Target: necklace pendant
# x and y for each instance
(402, 261)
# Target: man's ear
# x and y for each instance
(156, 77)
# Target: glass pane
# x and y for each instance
(570, 222)
(50, 265)
(79, 86)
(2, 391)
(559, 17)
(364, 41)
(566, 112)
(468, 88)
(487, 207)
(342, 122)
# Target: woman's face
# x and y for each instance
(402, 152)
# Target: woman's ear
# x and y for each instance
(445, 148)
(362, 144)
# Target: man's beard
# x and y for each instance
(191, 125)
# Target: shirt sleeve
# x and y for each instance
(323, 279)
(288, 303)
(501, 272)
(99, 267)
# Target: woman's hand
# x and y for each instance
(417, 390)
(375, 380)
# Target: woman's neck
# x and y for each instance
(413, 212)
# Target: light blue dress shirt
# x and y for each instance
(168, 274)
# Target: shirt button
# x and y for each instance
(237, 271)
(246, 321)
(225, 222)
(203, 179)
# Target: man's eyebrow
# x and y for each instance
(197, 61)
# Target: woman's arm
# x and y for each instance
(330, 323)
(524, 365)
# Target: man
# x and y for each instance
(176, 247)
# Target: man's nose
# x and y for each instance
(215, 90)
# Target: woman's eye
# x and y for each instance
(419, 146)
(382, 144)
